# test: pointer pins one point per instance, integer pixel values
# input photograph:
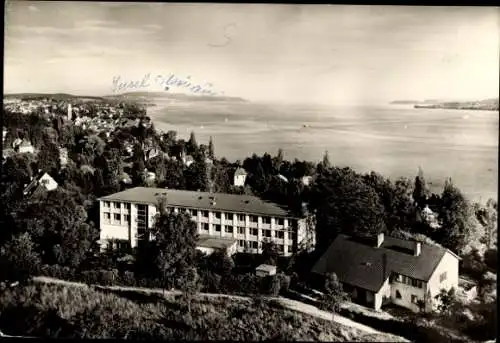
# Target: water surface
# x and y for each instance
(392, 140)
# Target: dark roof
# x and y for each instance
(206, 241)
(240, 171)
(359, 263)
(201, 200)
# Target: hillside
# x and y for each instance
(61, 311)
(174, 96)
(55, 96)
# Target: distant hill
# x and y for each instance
(483, 105)
(404, 102)
(415, 102)
(55, 96)
(177, 96)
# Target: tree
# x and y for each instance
(274, 285)
(270, 253)
(138, 165)
(221, 178)
(192, 145)
(326, 161)
(211, 149)
(473, 264)
(174, 176)
(420, 192)
(456, 217)
(93, 145)
(447, 301)
(48, 158)
(333, 295)
(277, 161)
(491, 258)
(196, 176)
(220, 263)
(344, 203)
(18, 258)
(396, 198)
(174, 245)
(18, 169)
(487, 216)
(190, 285)
(57, 224)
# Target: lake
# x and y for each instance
(392, 140)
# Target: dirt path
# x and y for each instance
(287, 303)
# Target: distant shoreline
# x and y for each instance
(482, 105)
(451, 107)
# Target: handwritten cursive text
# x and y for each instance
(165, 82)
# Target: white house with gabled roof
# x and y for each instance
(390, 270)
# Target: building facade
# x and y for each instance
(128, 216)
(240, 176)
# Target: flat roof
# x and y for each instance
(201, 200)
(206, 241)
(266, 267)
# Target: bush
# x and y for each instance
(128, 279)
(473, 265)
(211, 282)
(108, 277)
(51, 311)
(285, 281)
(90, 277)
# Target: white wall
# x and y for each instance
(26, 149)
(239, 180)
(385, 291)
(449, 263)
(406, 292)
(114, 229)
(49, 183)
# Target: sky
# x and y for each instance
(324, 54)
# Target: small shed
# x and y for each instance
(265, 270)
(306, 180)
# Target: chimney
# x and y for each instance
(380, 239)
(417, 248)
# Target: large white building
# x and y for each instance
(126, 217)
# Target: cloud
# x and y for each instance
(97, 23)
(92, 27)
(153, 26)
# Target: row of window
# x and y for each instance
(231, 217)
(255, 245)
(253, 232)
(205, 213)
(117, 217)
(108, 204)
(408, 280)
(204, 226)
(414, 298)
